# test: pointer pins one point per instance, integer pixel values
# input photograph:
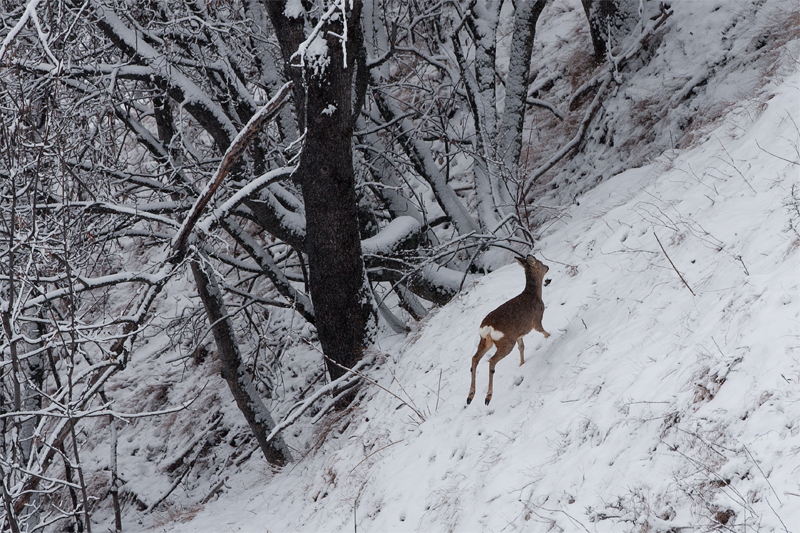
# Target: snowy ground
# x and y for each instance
(666, 399)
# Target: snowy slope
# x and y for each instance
(658, 403)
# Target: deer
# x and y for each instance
(506, 325)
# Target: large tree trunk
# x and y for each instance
(526, 14)
(343, 307)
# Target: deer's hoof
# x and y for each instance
(488, 399)
(469, 400)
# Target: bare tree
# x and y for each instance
(64, 333)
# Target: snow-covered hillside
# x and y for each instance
(666, 399)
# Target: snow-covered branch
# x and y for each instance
(82, 284)
(392, 236)
(237, 147)
(119, 209)
(252, 187)
(314, 51)
(297, 410)
(28, 14)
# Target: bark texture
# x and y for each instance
(527, 15)
(234, 371)
(343, 308)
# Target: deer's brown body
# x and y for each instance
(505, 326)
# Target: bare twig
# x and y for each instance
(673, 264)
(175, 483)
(763, 474)
(739, 257)
(420, 415)
(373, 453)
(439, 388)
(734, 166)
(777, 156)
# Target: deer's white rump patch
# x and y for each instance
(489, 331)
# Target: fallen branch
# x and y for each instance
(673, 264)
(545, 105)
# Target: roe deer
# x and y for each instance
(507, 324)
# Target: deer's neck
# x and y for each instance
(533, 286)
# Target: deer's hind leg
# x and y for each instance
(504, 347)
(483, 347)
(521, 351)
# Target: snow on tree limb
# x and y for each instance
(510, 132)
(424, 164)
(56, 436)
(179, 86)
(386, 242)
(87, 284)
(234, 370)
(318, 51)
(232, 155)
(28, 14)
(263, 259)
(298, 410)
(105, 207)
(248, 190)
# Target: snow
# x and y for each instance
(191, 93)
(665, 398)
(294, 9)
(654, 405)
(313, 52)
(391, 236)
(29, 13)
(204, 226)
